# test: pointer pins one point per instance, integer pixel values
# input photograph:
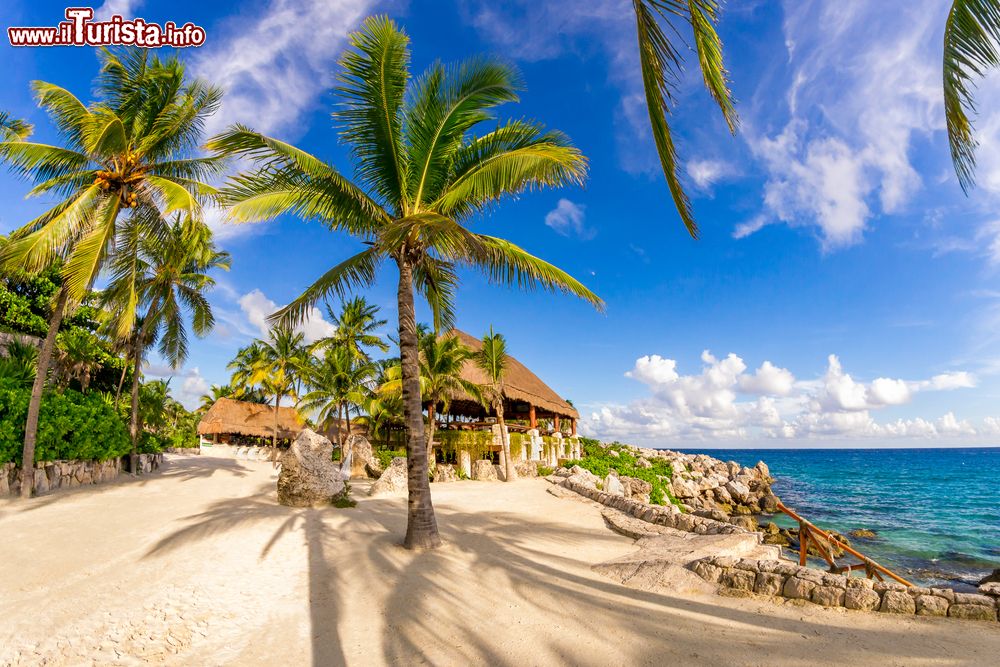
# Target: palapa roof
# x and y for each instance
(252, 419)
(520, 384)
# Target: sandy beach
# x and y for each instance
(199, 565)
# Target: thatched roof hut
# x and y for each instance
(527, 397)
(229, 417)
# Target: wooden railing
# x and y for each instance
(822, 541)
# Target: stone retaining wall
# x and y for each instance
(789, 580)
(52, 475)
(183, 450)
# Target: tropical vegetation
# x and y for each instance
(421, 175)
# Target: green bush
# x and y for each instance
(545, 471)
(385, 456)
(597, 460)
(71, 425)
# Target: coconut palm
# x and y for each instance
(130, 150)
(421, 173)
(660, 25)
(13, 129)
(275, 366)
(79, 353)
(340, 382)
(215, 392)
(357, 325)
(169, 277)
(492, 361)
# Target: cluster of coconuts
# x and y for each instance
(109, 180)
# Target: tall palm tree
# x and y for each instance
(421, 173)
(658, 24)
(357, 326)
(13, 129)
(970, 49)
(492, 361)
(169, 276)
(339, 382)
(130, 150)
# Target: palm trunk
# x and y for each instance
(121, 382)
(430, 434)
(35, 404)
(133, 425)
(274, 436)
(421, 524)
(511, 474)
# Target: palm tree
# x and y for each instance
(662, 66)
(275, 366)
(421, 173)
(357, 325)
(215, 393)
(13, 129)
(492, 361)
(340, 382)
(129, 150)
(19, 362)
(169, 276)
(79, 355)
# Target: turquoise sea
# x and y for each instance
(936, 511)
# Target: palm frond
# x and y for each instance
(704, 16)
(356, 271)
(970, 50)
(70, 115)
(14, 129)
(373, 84)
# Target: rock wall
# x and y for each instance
(53, 475)
(183, 450)
(789, 580)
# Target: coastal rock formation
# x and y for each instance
(309, 476)
(526, 468)
(484, 471)
(362, 457)
(393, 480)
(444, 472)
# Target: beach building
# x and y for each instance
(232, 422)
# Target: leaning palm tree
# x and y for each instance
(13, 129)
(660, 25)
(492, 361)
(422, 172)
(130, 150)
(169, 276)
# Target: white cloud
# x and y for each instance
(257, 307)
(274, 65)
(726, 402)
(864, 86)
(568, 219)
(706, 173)
(749, 227)
(192, 383)
(124, 8)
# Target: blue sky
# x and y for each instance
(844, 290)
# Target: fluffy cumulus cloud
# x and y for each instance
(257, 307)
(569, 219)
(706, 173)
(186, 384)
(728, 401)
(864, 86)
(125, 8)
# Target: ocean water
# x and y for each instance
(936, 511)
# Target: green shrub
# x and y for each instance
(71, 425)
(545, 471)
(597, 460)
(385, 456)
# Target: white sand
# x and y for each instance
(198, 565)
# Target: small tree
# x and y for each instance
(492, 360)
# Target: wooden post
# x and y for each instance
(572, 427)
(531, 416)
(555, 423)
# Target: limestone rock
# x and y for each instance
(484, 471)
(361, 456)
(989, 588)
(769, 583)
(828, 596)
(445, 472)
(973, 612)
(797, 588)
(897, 602)
(741, 580)
(992, 577)
(530, 469)
(863, 533)
(931, 605)
(738, 490)
(864, 599)
(613, 485)
(393, 480)
(642, 463)
(309, 476)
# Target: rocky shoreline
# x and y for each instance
(720, 498)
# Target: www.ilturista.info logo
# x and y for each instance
(80, 30)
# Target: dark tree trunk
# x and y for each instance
(35, 404)
(430, 433)
(274, 436)
(421, 524)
